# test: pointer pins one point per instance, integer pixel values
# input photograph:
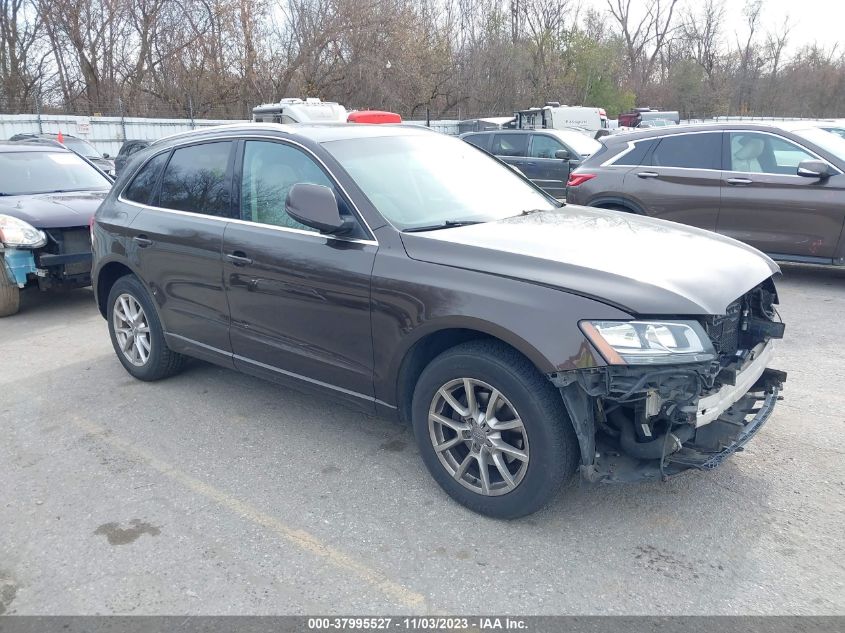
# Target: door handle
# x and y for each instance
(530, 164)
(142, 240)
(648, 174)
(238, 258)
(739, 181)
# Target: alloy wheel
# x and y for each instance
(478, 436)
(131, 329)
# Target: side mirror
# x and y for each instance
(316, 206)
(105, 156)
(563, 154)
(814, 169)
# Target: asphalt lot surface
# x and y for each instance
(217, 493)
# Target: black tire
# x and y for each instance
(10, 295)
(162, 362)
(554, 450)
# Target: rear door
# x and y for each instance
(766, 203)
(551, 173)
(299, 300)
(681, 179)
(513, 149)
(177, 240)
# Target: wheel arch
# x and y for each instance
(107, 276)
(614, 202)
(433, 341)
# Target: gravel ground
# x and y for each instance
(217, 493)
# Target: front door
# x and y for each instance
(680, 179)
(299, 300)
(766, 203)
(177, 239)
(550, 173)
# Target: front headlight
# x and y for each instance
(20, 234)
(649, 342)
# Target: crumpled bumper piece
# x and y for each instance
(708, 461)
(19, 263)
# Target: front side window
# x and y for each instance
(143, 185)
(692, 151)
(428, 179)
(543, 146)
(195, 180)
(269, 172)
(510, 144)
(45, 172)
(756, 153)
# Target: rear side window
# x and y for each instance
(196, 179)
(143, 186)
(637, 155)
(510, 144)
(692, 151)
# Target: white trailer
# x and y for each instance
(557, 117)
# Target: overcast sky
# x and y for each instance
(811, 20)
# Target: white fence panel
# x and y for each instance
(105, 133)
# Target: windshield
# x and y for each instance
(42, 172)
(418, 181)
(581, 143)
(828, 141)
(81, 147)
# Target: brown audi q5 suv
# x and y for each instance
(412, 274)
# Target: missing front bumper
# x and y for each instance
(709, 448)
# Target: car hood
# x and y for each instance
(642, 265)
(54, 210)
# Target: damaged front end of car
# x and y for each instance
(675, 393)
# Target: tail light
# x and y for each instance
(578, 179)
(91, 229)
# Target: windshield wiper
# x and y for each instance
(446, 224)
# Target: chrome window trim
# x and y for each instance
(612, 162)
(277, 139)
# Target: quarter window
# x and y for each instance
(692, 151)
(195, 180)
(143, 185)
(269, 172)
(479, 140)
(510, 144)
(637, 155)
(756, 153)
(543, 146)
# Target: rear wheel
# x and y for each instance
(492, 430)
(10, 295)
(136, 332)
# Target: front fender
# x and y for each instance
(413, 299)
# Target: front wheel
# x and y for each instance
(10, 295)
(136, 332)
(492, 430)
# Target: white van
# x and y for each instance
(557, 117)
(293, 110)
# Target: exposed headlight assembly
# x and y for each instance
(649, 342)
(19, 234)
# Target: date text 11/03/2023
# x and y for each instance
(418, 623)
